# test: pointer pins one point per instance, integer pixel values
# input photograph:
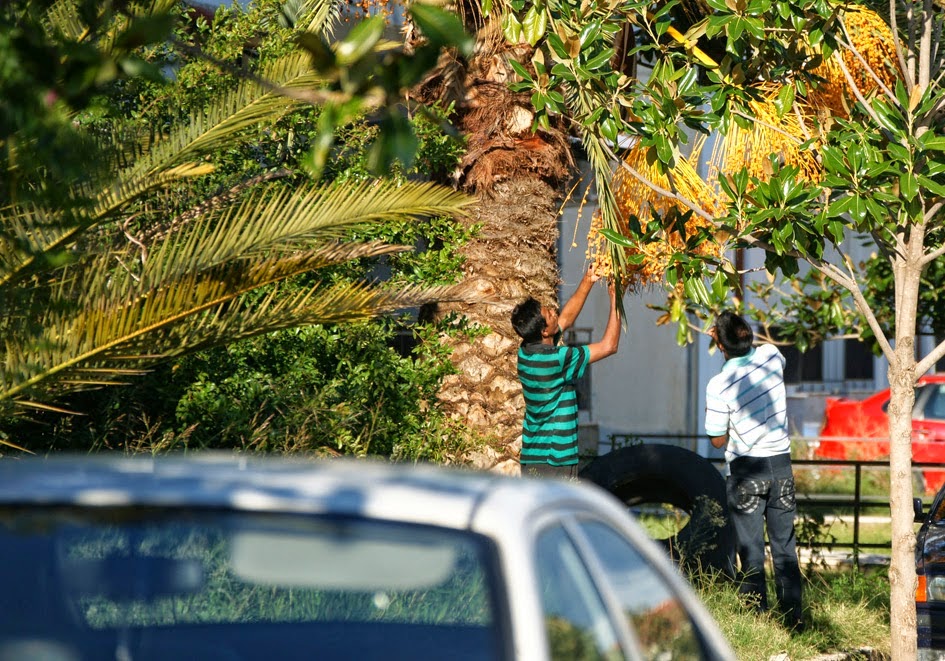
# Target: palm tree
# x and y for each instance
(517, 178)
(89, 303)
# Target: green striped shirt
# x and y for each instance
(548, 374)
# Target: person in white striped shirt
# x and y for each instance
(746, 413)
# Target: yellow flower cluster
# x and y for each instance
(872, 38)
(769, 134)
(636, 198)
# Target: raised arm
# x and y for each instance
(572, 308)
(608, 344)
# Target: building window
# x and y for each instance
(857, 361)
(806, 366)
(801, 367)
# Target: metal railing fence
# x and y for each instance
(848, 504)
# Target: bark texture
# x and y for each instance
(902, 379)
(516, 175)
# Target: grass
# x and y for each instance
(845, 610)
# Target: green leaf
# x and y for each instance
(145, 30)
(557, 46)
(931, 141)
(608, 128)
(785, 99)
(395, 142)
(520, 69)
(696, 291)
(908, 186)
(599, 60)
(534, 25)
(442, 28)
(664, 150)
(858, 208)
(360, 41)
(835, 227)
(589, 34)
(930, 184)
(511, 28)
(616, 237)
(719, 285)
(755, 27)
(323, 58)
(717, 24)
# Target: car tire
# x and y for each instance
(666, 474)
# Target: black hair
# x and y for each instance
(734, 334)
(528, 321)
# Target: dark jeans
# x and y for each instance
(761, 494)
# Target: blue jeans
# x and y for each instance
(761, 495)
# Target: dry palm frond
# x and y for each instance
(637, 199)
(872, 38)
(769, 134)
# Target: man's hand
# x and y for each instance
(591, 275)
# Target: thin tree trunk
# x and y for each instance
(902, 379)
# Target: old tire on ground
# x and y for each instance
(666, 474)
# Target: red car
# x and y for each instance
(859, 429)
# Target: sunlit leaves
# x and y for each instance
(370, 77)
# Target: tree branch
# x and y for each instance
(938, 252)
(930, 359)
(894, 25)
(848, 43)
(857, 93)
(925, 46)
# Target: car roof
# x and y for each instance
(413, 493)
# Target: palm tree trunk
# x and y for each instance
(516, 174)
(513, 258)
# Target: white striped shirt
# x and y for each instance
(746, 400)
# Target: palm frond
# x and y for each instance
(320, 15)
(28, 232)
(63, 18)
(253, 102)
(275, 218)
(93, 343)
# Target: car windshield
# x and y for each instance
(129, 583)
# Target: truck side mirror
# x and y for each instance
(918, 515)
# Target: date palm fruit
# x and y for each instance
(770, 132)
(638, 199)
(871, 61)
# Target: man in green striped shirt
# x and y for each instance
(549, 372)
